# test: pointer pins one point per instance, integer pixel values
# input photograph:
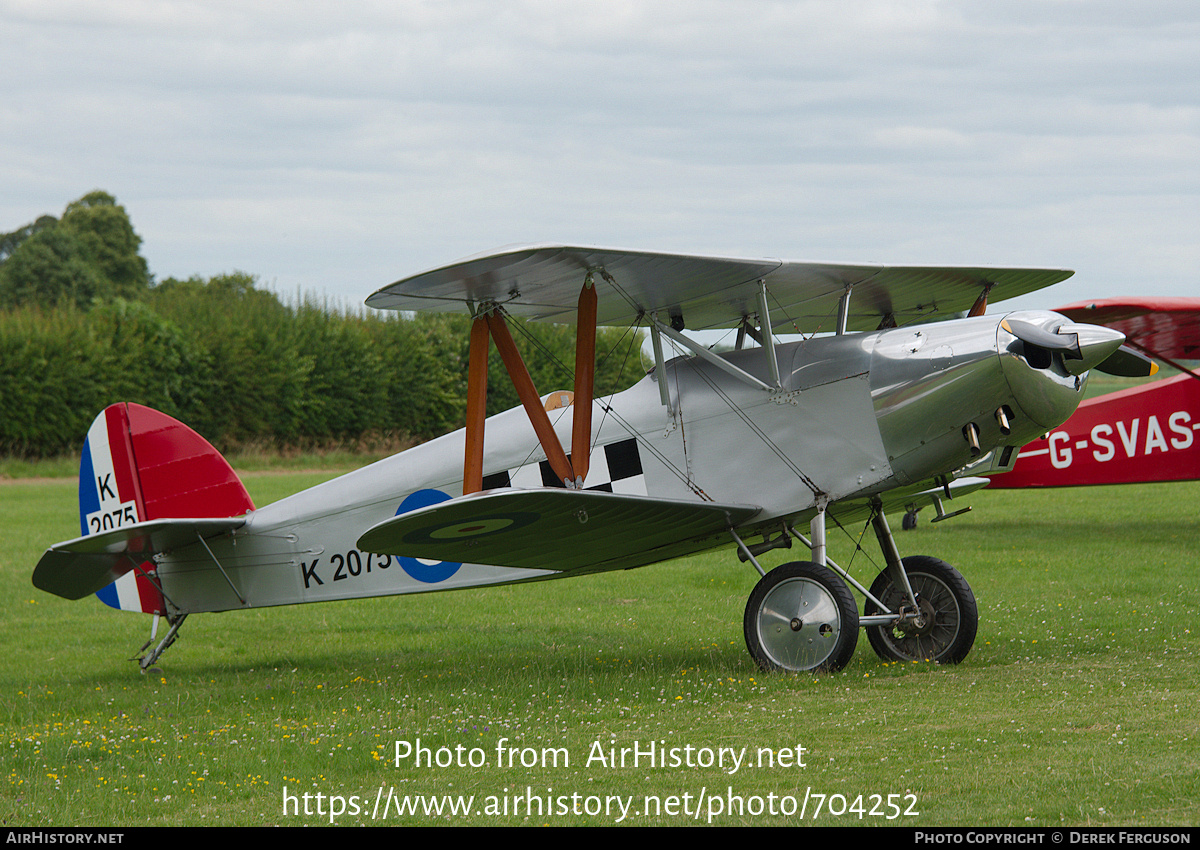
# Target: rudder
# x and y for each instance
(140, 464)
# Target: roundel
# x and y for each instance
(464, 529)
(430, 572)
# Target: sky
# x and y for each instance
(332, 148)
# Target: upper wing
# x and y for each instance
(1163, 327)
(556, 529)
(542, 282)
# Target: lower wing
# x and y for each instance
(557, 529)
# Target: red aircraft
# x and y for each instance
(1146, 433)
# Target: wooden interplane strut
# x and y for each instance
(477, 375)
(585, 374)
(489, 325)
(979, 308)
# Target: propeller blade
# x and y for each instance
(1039, 336)
(1083, 346)
(1127, 363)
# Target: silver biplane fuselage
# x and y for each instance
(705, 451)
(858, 416)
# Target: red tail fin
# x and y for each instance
(180, 473)
(139, 464)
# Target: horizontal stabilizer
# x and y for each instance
(85, 565)
(556, 529)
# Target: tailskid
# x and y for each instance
(146, 661)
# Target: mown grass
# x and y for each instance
(1078, 705)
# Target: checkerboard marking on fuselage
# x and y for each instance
(620, 472)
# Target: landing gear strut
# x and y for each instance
(801, 616)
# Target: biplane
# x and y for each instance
(878, 406)
(1140, 434)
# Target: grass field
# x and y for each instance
(1080, 704)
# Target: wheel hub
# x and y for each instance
(940, 627)
(798, 620)
(919, 622)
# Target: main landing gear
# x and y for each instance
(802, 618)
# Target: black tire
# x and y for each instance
(801, 618)
(949, 609)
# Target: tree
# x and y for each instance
(10, 241)
(105, 230)
(49, 268)
(90, 253)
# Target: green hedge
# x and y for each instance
(240, 366)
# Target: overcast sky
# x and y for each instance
(335, 147)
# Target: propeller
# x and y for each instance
(1083, 347)
(1053, 340)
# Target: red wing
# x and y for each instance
(1162, 327)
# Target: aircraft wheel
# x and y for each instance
(801, 618)
(949, 617)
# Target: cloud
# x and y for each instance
(334, 147)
